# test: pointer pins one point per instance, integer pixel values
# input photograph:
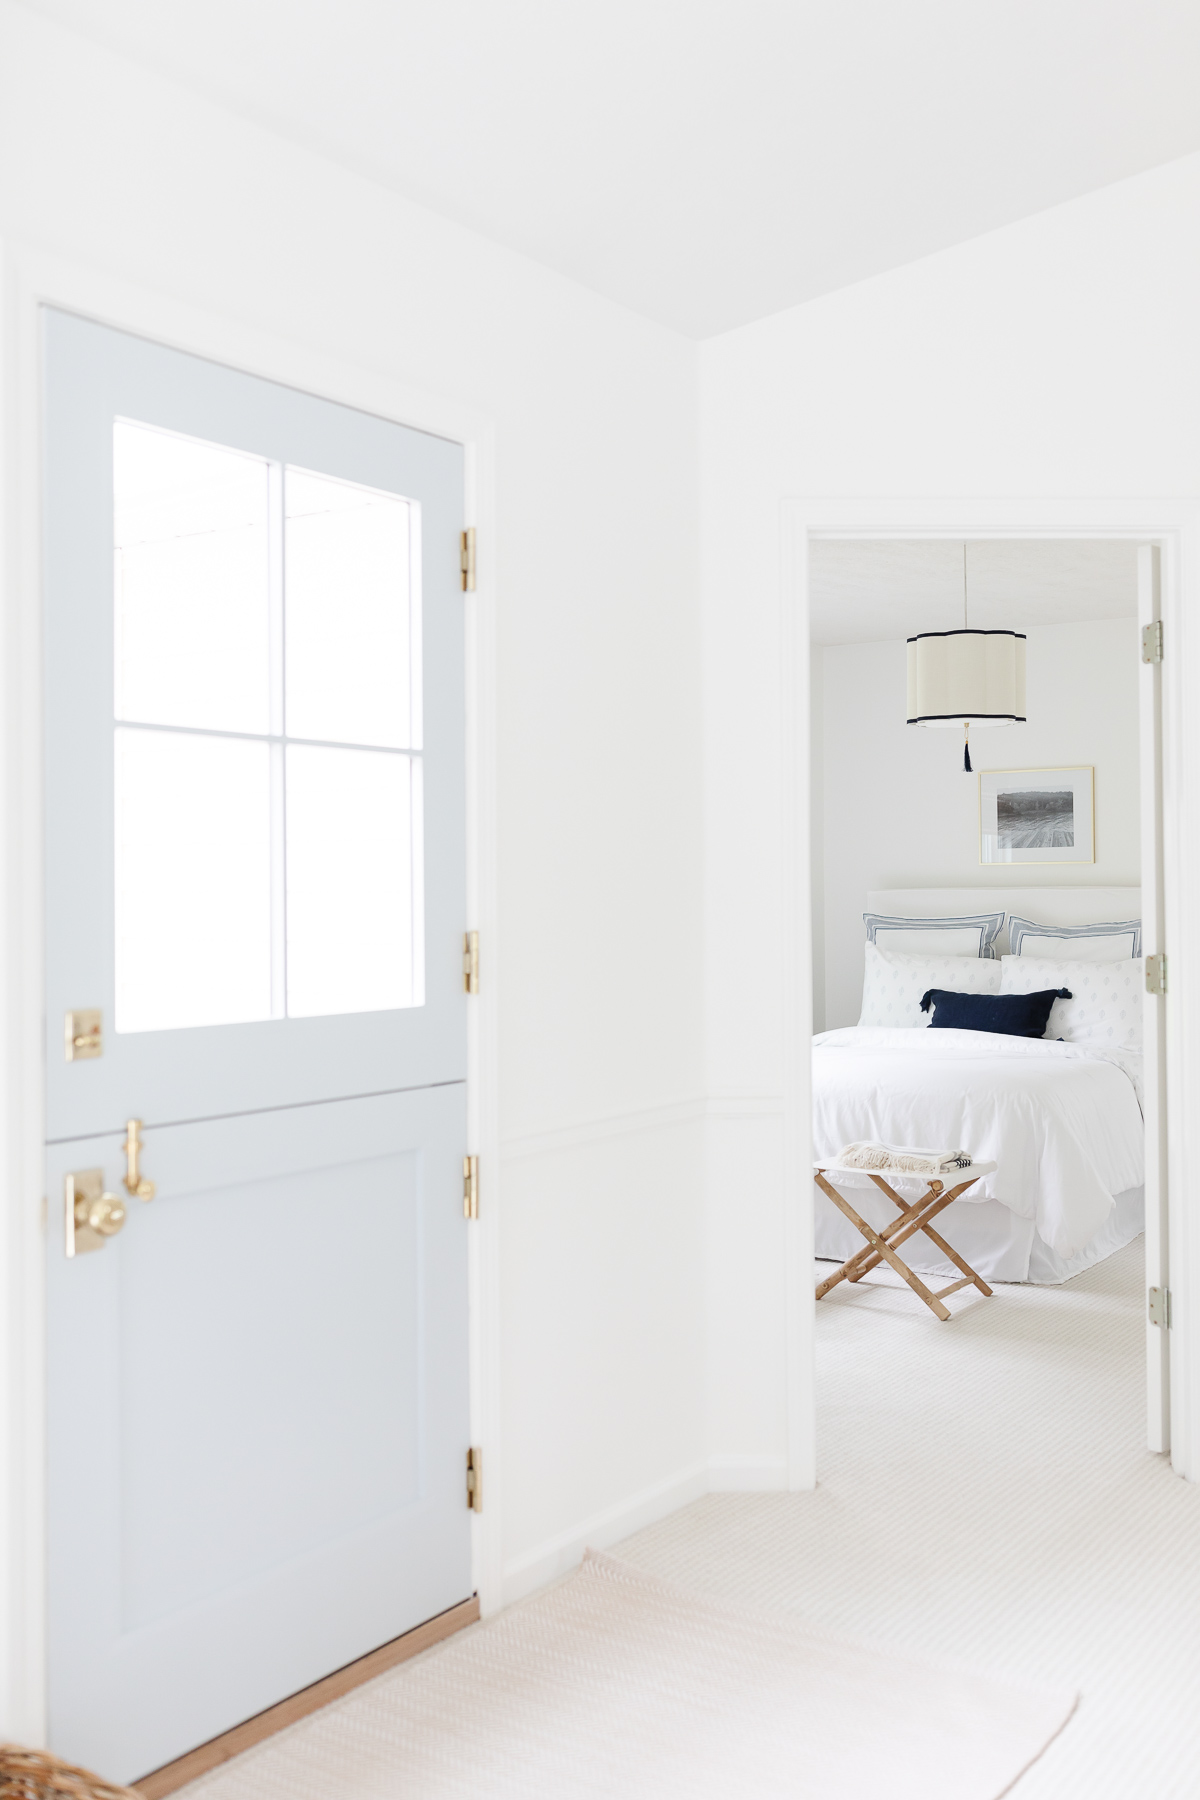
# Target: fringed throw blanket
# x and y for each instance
(901, 1161)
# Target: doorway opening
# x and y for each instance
(969, 885)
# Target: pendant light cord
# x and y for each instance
(964, 584)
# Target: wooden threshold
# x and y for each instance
(208, 1756)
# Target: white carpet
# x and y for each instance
(613, 1683)
(985, 1498)
(985, 1493)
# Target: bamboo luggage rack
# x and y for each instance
(914, 1216)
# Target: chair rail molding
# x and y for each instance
(663, 1116)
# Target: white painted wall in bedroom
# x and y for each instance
(819, 787)
(1058, 356)
(898, 810)
(599, 747)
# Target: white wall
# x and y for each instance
(897, 810)
(818, 787)
(599, 748)
(1056, 357)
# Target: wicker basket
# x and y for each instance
(36, 1775)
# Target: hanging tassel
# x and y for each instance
(967, 770)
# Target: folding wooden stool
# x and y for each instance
(914, 1216)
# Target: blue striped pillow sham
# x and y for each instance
(882, 926)
(1125, 933)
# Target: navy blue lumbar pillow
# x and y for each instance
(1013, 1015)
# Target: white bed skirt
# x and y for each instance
(997, 1244)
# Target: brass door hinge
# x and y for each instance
(471, 962)
(466, 560)
(475, 1480)
(470, 1187)
(1156, 974)
(1160, 1307)
(1152, 641)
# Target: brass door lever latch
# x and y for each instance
(136, 1183)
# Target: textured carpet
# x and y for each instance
(985, 1493)
(985, 1498)
(613, 1683)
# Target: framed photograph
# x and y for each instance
(1037, 815)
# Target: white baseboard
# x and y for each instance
(558, 1555)
(747, 1475)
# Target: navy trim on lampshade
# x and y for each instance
(1010, 1015)
(969, 718)
(964, 631)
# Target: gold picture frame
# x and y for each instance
(1032, 816)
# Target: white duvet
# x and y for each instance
(1062, 1121)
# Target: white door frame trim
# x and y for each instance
(1174, 524)
(32, 279)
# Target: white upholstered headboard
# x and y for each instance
(1048, 905)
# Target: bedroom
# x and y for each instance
(1010, 867)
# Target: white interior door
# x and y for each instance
(255, 879)
(1158, 1352)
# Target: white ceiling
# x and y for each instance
(870, 590)
(706, 162)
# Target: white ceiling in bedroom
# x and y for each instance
(705, 162)
(867, 591)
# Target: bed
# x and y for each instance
(1062, 1121)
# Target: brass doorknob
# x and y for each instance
(103, 1214)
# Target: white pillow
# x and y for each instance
(1082, 943)
(974, 935)
(893, 983)
(1107, 997)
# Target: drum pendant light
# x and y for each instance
(966, 677)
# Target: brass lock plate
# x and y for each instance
(83, 1194)
(84, 1035)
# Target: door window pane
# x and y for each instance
(350, 661)
(192, 582)
(193, 899)
(352, 868)
(257, 605)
